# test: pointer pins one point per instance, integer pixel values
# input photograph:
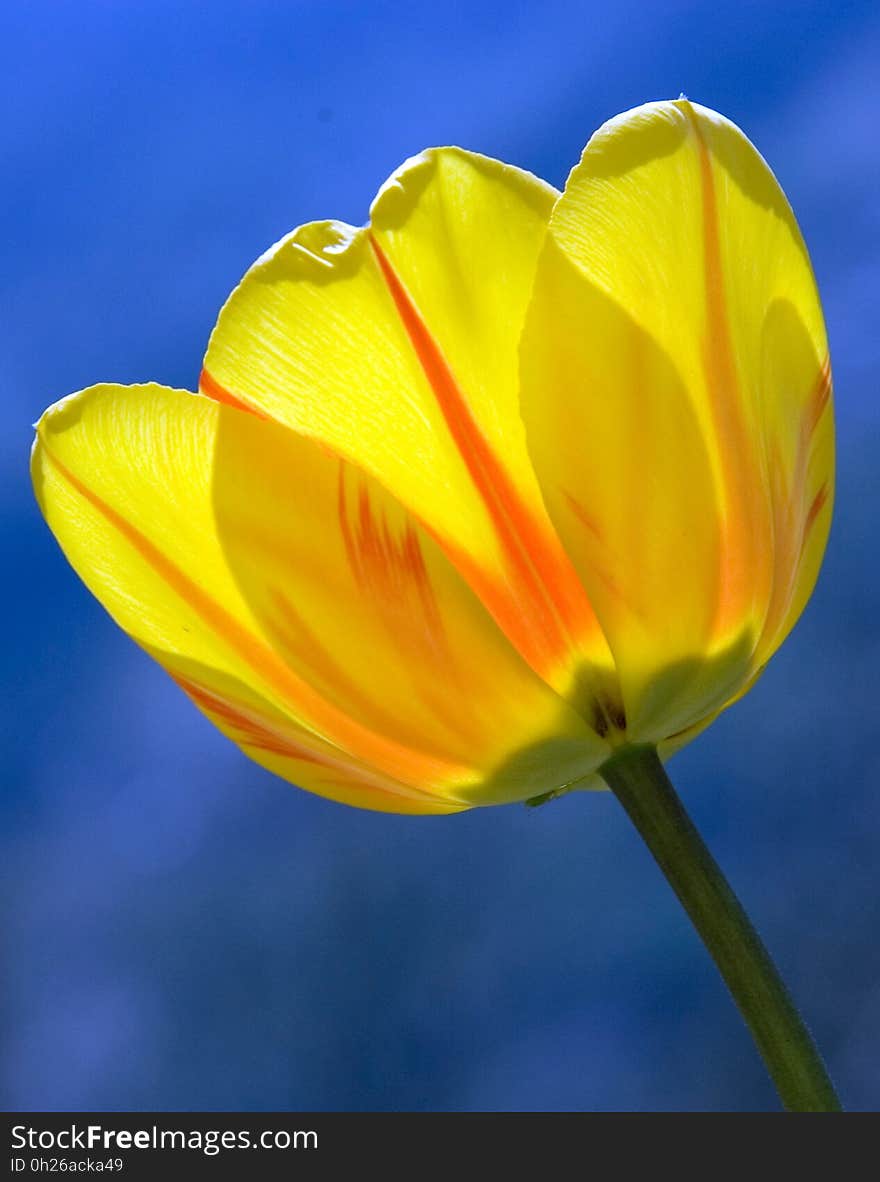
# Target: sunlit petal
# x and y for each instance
(675, 384)
(397, 346)
(298, 604)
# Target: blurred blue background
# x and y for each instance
(184, 932)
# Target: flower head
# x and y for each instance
(473, 495)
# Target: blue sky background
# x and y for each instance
(183, 931)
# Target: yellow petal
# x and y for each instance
(396, 345)
(675, 384)
(278, 743)
(297, 604)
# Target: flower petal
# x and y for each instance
(295, 602)
(397, 346)
(276, 742)
(674, 385)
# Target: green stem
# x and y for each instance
(638, 780)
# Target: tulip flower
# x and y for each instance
(499, 495)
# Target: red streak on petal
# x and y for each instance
(410, 632)
(550, 608)
(587, 520)
(792, 523)
(391, 569)
(211, 388)
(250, 729)
(811, 416)
(598, 559)
(818, 503)
(819, 399)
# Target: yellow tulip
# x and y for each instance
(506, 489)
(472, 497)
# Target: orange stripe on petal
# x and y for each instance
(818, 401)
(819, 398)
(817, 505)
(791, 522)
(744, 549)
(211, 388)
(253, 730)
(550, 609)
(397, 761)
(389, 568)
